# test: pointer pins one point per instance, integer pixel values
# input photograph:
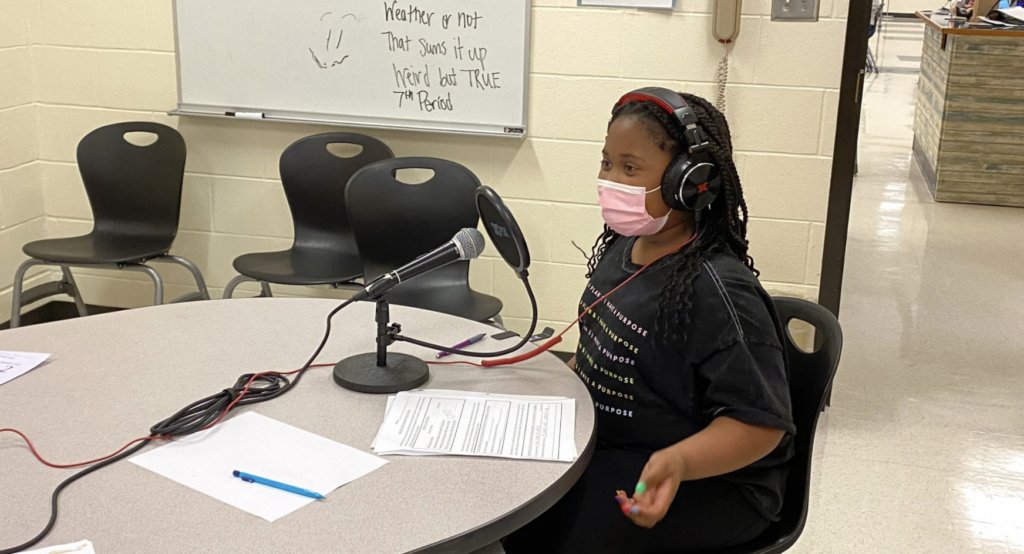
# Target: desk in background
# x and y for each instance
(112, 376)
(969, 120)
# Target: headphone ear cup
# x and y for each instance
(672, 182)
(700, 185)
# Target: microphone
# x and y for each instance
(467, 244)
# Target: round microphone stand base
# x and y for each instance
(382, 372)
(361, 373)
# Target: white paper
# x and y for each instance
(476, 424)
(373, 445)
(1016, 12)
(80, 547)
(996, 23)
(16, 364)
(262, 446)
(657, 4)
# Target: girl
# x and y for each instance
(684, 363)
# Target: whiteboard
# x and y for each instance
(441, 65)
(657, 4)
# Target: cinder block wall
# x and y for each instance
(22, 214)
(82, 64)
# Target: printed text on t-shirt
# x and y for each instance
(611, 334)
(615, 312)
(590, 360)
(608, 354)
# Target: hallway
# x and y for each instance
(923, 448)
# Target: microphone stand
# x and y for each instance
(382, 372)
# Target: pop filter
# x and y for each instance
(505, 234)
(508, 238)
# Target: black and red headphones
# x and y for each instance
(692, 180)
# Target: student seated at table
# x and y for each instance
(684, 363)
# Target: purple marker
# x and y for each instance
(463, 344)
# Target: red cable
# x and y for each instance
(65, 466)
(125, 447)
(558, 338)
(486, 363)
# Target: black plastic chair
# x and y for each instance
(135, 195)
(810, 380)
(324, 251)
(394, 223)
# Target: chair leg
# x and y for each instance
(19, 278)
(73, 290)
(233, 284)
(204, 294)
(158, 283)
(158, 286)
(265, 288)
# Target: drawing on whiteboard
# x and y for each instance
(331, 52)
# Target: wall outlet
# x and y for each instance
(795, 10)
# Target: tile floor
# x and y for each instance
(923, 448)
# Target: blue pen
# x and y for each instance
(276, 484)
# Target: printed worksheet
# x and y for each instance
(433, 422)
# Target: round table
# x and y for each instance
(111, 377)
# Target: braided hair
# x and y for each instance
(723, 225)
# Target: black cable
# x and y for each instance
(56, 492)
(199, 414)
(526, 339)
(193, 418)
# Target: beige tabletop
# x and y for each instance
(113, 376)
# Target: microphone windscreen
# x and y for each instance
(470, 243)
(501, 226)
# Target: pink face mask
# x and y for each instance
(624, 209)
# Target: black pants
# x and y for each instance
(706, 514)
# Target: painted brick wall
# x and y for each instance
(112, 60)
(22, 216)
(911, 6)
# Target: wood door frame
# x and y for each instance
(844, 155)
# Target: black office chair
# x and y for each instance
(324, 251)
(395, 223)
(135, 195)
(810, 379)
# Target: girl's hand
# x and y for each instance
(722, 447)
(657, 487)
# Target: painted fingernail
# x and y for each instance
(640, 487)
(620, 499)
(634, 510)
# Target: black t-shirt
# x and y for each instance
(649, 395)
